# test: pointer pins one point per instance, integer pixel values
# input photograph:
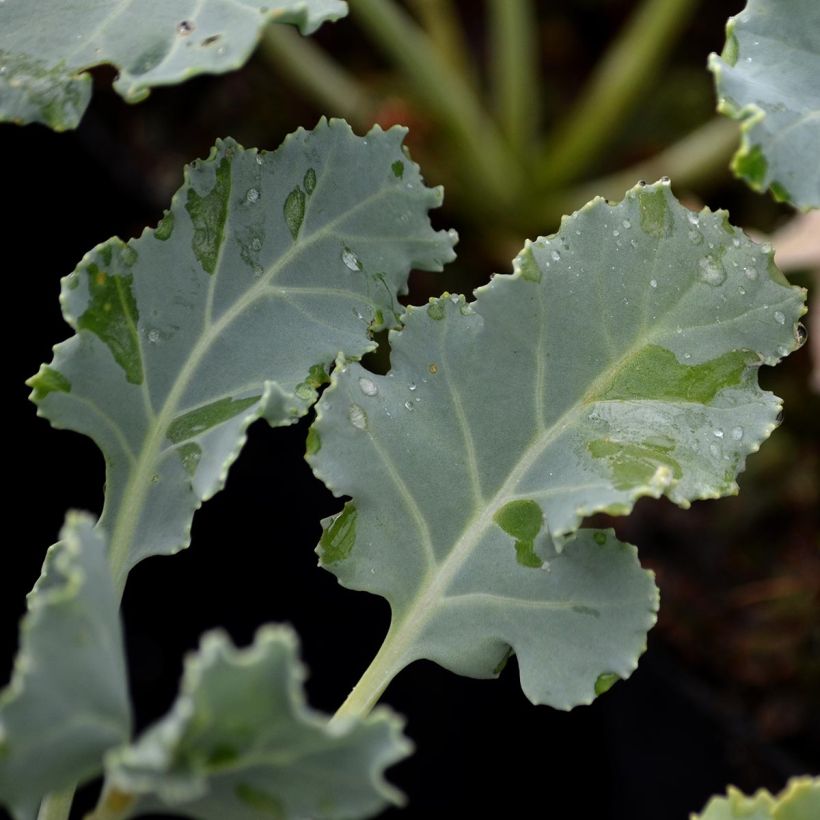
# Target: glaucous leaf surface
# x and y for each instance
(767, 77)
(67, 702)
(618, 361)
(800, 800)
(265, 268)
(46, 46)
(240, 743)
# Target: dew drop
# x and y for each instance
(185, 27)
(367, 386)
(711, 272)
(653, 283)
(737, 433)
(696, 236)
(779, 317)
(627, 224)
(741, 291)
(687, 355)
(736, 242)
(717, 432)
(411, 386)
(153, 336)
(408, 405)
(357, 416)
(783, 350)
(693, 218)
(252, 196)
(633, 242)
(350, 259)
(555, 256)
(259, 159)
(616, 232)
(256, 244)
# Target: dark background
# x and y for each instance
(728, 690)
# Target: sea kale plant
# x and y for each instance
(619, 360)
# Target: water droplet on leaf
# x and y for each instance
(779, 317)
(357, 416)
(350, 259)
(711, 271)
(367, 386)
(252, 196)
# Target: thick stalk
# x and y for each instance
(488, 166)
(440, 21)
(628, 67)
(319, 77)
(383, 668)
(57, 805)
(514, 70)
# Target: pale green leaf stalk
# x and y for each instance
(67, 702)
(240, 743)
(800, 800)
(619, 360)
(47, 46)
(265, 268)
(767, 77)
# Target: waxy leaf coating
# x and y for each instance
(240, 743)
(231, 310)
(67, 703)
(46, 46)
(768, 77)
(618, 361)
(800, 800)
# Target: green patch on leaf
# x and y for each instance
(48, 380)
(636, 465)
(112, 315)
(752, 166)
(522, 520)
(398, 169)
(313, 442)
(435, 309)
(190, 453)
(165, 227)
(655, 217)
(655, 373)
(208, 213)
(260, 800)
(527, 266)
(294, 210)
(605, 682)
(195, 422)
(338, 539)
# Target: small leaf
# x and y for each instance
(232, 313)
(47, 46)
(800, 800)
(240, 743)
(767, 78)
(67, 702)
(619, 361)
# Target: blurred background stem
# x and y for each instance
(619, 79)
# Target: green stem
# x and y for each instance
(441, 22)
(383, 668)
(57, 805)
(316, 75)
(629, 66)
(514, 70)
(489, 168)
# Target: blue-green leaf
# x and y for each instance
(47, 46)
(240, 743)
(67, 703)
(618, 361)
(767, 78)
(230, 311)
(800, 800)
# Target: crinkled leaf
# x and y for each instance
(46, 46)
(67, 702)
(618, 361)
(229, 311)
(240, 743)
(767, 78)
(800, 800)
